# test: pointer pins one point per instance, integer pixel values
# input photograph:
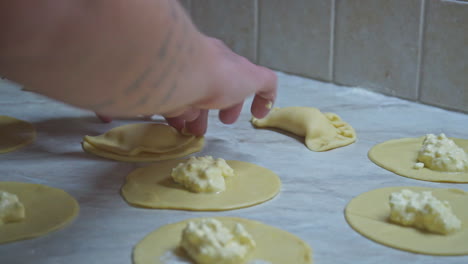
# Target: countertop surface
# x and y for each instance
(316, 185)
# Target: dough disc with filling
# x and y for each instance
(47, 209)
(15, 133)
(322, 131)
(273, 245)
(153, 187)
(143, 142)
(400, 155)
(368, 214)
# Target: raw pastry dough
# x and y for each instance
(368, 214)
(15, 133)
(274, 245)
(153, 187)
(142, 142)
(322, 131)
(208, 241)
(47, 209)
(400, 155)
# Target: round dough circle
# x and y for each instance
(273, 245)
(400, 155)
(47, 209)
(15, 133)
(142, 142)
(368, 215)
(153, 187)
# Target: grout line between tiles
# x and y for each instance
(463, 2)
(256, 32)
(331, 59)
(419, 69)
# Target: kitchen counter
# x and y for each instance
(316, 185)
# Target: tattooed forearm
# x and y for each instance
(156, 86)
(157, 60)
(168, 96)
(82, 55)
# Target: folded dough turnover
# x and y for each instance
(322, 131)
(142, 142)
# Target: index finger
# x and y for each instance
(266, 94)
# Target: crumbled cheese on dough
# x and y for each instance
(203, 174)
(11, 209)
(208, 241)
(418, 165)
(442, 154)
(423, 211)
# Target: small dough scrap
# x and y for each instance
(15, 133)
(46, 209)
(273, 245)
(153, 187)
(369, 212)
(322, 131)
(203, 174)
(401, 155)
(11, 209)
(208, 241)
(142, 142)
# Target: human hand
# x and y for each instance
(228, 79)
(192, 121)
(232, 79)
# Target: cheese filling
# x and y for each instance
(423, 211)
(442, 154)
(11, 209)
(208, 241)
(203, 174)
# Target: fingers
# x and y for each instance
(194, 121)
(177, 119)
(103, 118)
(230, 115)
(175, 113)
(175, 122)
(265, 95)
(261, 106)
(198, 126)
(188, 114)
(108, 119)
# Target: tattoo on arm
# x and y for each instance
(136, 85)
(152, 86)
(175, 48)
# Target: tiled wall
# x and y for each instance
(413, 49)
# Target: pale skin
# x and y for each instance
(125, 58)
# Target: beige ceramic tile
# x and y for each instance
(444, 77)
(232, 21)
(294, 36)
(376, 45)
